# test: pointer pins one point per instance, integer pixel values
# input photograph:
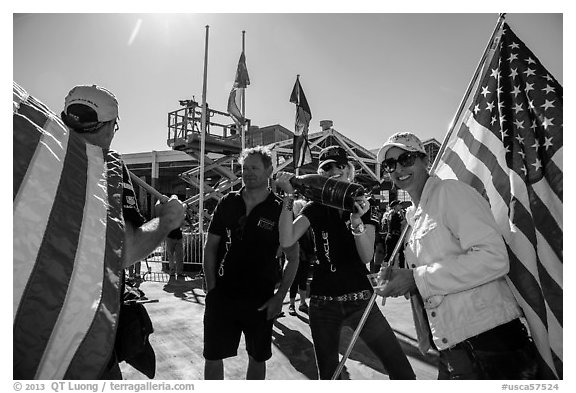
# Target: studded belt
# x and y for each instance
(362, 295)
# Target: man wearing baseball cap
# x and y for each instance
(91, 111)
(456, 276)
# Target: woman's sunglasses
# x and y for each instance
(405, 159)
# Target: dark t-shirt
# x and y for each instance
(248, 246)
(340, 269)
(395, 223)
(130, 209)
(175, 234)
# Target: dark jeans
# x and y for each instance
(326, 321)
(505, 352)
(301, 279)
(390, 243)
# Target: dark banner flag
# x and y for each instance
(241, 81)
(68, 233)
(508, 144)
(300, 149)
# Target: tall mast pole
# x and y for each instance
(243, 99)
(203, 141)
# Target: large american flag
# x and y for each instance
(68, 233)
(301, 154)
(508, 144)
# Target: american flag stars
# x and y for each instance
(520, 92)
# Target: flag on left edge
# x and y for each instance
(301, 154)
(67, 243)
(241, 81)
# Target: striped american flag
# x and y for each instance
(508, 144)
(301, 154)
(67, 242)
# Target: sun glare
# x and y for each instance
(135, 31)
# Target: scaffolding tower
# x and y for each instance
(223, 145)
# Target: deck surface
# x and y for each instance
(178, 339)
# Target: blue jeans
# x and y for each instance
(326, 321)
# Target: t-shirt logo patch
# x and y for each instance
(130, 200)
(373, 213)
(266, 224)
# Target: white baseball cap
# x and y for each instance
(404, 140)
(103, 103)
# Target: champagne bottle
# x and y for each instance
(327, 191)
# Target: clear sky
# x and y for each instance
(373, 74)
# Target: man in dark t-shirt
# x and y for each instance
(242, 271)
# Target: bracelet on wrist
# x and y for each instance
(358, 229)
(289, 203)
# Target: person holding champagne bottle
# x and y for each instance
(340, 289)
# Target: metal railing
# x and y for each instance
(192, 245)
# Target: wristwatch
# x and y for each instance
(358, 229)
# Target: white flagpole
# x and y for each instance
(452, 127)
(243, 99)
(203, 141)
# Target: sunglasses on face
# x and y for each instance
(405, 159)
(331, 165)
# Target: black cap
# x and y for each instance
(333, 153)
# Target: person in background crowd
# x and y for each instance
(134, 271)
(393, 222)
(175, 252)
(379, 246)
(242, 272)
(340, 290)
(307, 256)
(457, 264)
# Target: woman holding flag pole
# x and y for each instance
(463, 306)
(523, 183)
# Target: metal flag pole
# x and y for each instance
(151, 190)
(243, 99)
(436, 160)
(366, 313)
(296, 168)
(203, 141)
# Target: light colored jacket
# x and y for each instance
(459, 261)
